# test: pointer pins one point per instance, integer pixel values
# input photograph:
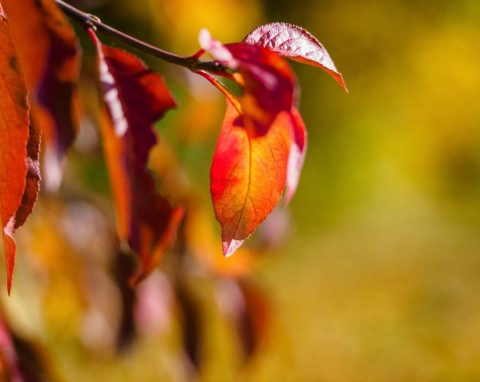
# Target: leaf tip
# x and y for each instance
(229, 247)
(342, 83)
(9, 252)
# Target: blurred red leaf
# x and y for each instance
(247, 307)
(22, 360)
(296, 43)
(49, 52)
(190, 317)
(9, 362)
(255, 320)
(14, 135)
(135, 97)
(248, 175)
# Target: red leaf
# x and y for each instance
(268, 82)
(296, 43)
(57, 92)
(49, 53)
(248, 175)
(14, 133)
(136, 97)
(22, 360)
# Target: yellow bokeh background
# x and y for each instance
(378, 276)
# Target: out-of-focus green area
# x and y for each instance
(379, 278)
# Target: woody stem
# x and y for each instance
(87, 20)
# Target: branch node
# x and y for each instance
(91, 22)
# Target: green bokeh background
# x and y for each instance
(379, 277)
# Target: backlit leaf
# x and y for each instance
(248, 175)
(14, 133)
(49, 52)
(135, 97)
(296, 43)
(268, 82)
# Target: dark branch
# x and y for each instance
(89, 21)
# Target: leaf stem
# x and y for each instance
(233, 100)
(190, 62)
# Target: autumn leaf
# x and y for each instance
(14, 134)
(268, 82)
(296, 43)
(248, 175)
(49, 52)
(268, 101)
(136, 98)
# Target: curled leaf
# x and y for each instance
(267, 80)
(296, 43)
(32, 187)
(135, 98)
(248, 175)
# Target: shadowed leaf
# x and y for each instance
(32, 187)
(248, 309)
(135, 97)
(255, 318)
(22, 360)
(190, 318)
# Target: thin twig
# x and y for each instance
(89, 21)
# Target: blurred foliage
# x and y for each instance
(375, 277)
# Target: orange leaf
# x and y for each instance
(49, 52)
(248, 175)
(14, 133)
(296, 43)
(135, 97)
